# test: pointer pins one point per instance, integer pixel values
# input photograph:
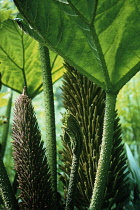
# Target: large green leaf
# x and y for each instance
(99, 38)
(20, 60)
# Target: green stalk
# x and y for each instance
(73, 130)
(6, 191)
(6, 126)
(106, 147)
(72, 183)
(49, 116)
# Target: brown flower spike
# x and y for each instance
(29, 156)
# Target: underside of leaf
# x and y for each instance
(100, 39)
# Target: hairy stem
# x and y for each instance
(72, 183)
(6, 191)
(73, 130)
(106, 147)
(49, 116)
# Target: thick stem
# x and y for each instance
(106, 147)
(49, 116)
(6, 191)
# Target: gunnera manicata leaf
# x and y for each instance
(86, 101)
(29, 157)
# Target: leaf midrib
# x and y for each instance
(97, 43)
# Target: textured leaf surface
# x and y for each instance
(20, 65)
(20, 60)
(101, 39)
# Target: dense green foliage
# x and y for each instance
(101, 40)
(129, 109)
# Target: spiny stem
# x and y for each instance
(106, 147)
(49, 116)
(6, 191)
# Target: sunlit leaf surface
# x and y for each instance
(20, 60)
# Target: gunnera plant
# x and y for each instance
(86, 101)
(7, 195)
(29, 156)
(72, 130)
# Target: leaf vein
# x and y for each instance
(10, 58)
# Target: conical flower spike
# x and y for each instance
(29, 156)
